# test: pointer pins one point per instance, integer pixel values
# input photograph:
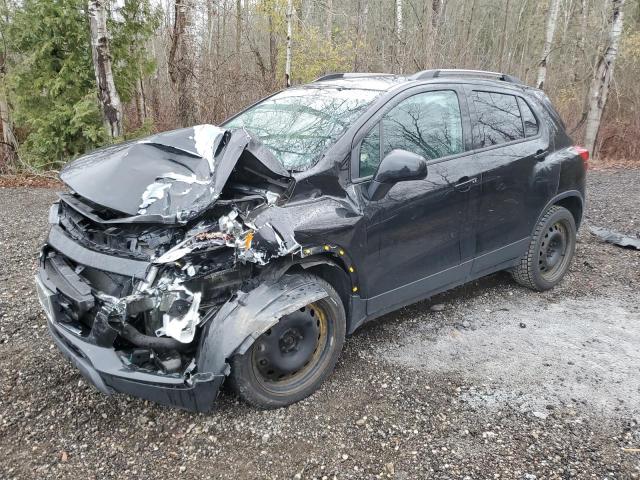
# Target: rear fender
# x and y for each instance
(246, 316)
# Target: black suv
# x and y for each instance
(250, 250)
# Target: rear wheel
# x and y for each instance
(291, 360)
(550, 252)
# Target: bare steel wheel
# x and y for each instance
(290, 361)
(289, 351)
(553, 251)
(550, 251)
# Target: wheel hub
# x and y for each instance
(553, 248)
(288, 346)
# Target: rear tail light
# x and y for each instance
(584, 155)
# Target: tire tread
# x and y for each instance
(523, 272)
(241, 385)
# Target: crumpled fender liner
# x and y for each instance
(241, 320)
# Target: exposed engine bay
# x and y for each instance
(144, 269)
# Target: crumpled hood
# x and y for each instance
(172, 175)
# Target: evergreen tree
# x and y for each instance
(52, 78)
(52, 81)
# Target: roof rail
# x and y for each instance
(329, 76)
(333, 76)
(429, 74)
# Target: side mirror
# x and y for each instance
(397, 166)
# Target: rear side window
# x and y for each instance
(528, 119)
(498, 119)
(428, 124)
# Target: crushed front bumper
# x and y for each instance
(107, 369)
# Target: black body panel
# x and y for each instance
(215, 210)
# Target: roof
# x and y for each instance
(366, 81)
(384, 81)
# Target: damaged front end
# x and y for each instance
(153, 271)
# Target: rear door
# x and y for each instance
(418, 235)
(510, 150)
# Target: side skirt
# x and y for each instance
(364, 310)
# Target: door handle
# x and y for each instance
(465, 183)
(541, 154)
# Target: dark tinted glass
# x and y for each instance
(428, 124)
(528, 118)
(498, 119)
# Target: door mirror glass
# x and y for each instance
(397, 166)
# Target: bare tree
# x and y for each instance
(503, 39)
(8, 137)
(599, 89)
(238, 24)
(328, 28)
(436, 11)
(552, 20)
(361, 30)
(180, 62)
(287, 68)
(107, 93)
(399, 19)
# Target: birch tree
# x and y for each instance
(552, 20)
(107, 93)
(399, 20)
(601, 81)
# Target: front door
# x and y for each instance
(419, 235)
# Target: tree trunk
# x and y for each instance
(582, 35)
(503, 39)
(552, 20)
(180, 62)
(399, 20)
(141, 101)
(287, 68)
(238, 24)
(361, 31)
(328, 28)
(601, 81)
(107, 94)
(273, 52)
(467, 37)
(436, 10)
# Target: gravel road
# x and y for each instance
(487, 381)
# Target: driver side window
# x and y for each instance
(428, 124)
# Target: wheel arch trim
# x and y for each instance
(563, 196)
(247, 315)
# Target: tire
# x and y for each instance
(261, 376)
(550, 251)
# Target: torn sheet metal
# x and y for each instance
(616, 238)
(174, 175)
(178, 324)
(241, 320)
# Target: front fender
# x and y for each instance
(247, 315)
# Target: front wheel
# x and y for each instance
(550, 252)
(291, 360)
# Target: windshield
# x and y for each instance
(299, 124)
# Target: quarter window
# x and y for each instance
(498, 119)
(528, 119)
(428, 124)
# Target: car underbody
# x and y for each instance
(152, 299)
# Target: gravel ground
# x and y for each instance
(487, 381)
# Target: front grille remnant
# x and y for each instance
(136, 241)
